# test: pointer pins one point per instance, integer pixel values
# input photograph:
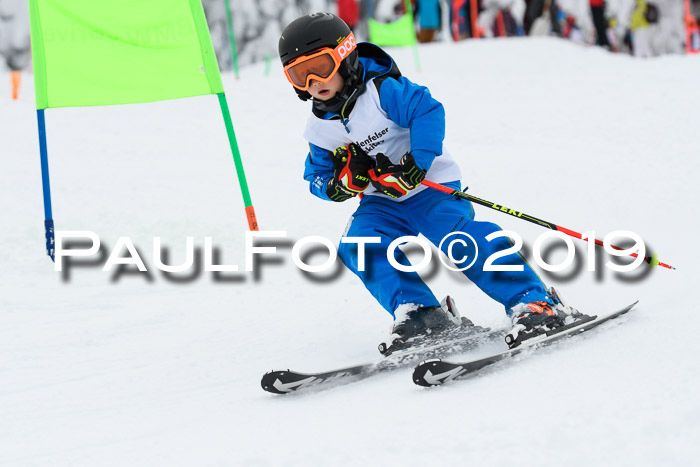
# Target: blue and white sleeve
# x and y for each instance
(318, 171)
(411, 106)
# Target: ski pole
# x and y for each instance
(652, 260)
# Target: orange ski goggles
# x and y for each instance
(320, 65)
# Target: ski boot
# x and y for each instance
(537, 318)
(419, 323)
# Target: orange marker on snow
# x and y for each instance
(15, 77)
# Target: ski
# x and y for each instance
(287, 381)
(435, 372)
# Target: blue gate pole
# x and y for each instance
(48, 215)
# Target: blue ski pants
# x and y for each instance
(433, 214)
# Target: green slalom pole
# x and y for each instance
(250, 211)
(232, 38)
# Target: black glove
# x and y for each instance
(352, 165)
(336, 192)
(351, 175)
(396, 180)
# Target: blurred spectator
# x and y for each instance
(513, 18)
(537, 9)
(502, 17)
(542, 26)
(461, 19)
(349, 11)
(600, 23)
(620, 13)
(695, 8)
(14, 39)
(14, 34)
(641, 37)
(668, 35)
(612, 35)
(428, 12)
(692, 30)
(572, 31)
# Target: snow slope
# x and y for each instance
(141, 369)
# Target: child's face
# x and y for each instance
(325, 91)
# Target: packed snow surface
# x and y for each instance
(142, 369)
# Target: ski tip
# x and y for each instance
(286, 381)
(266, 382)
(430, 360)
(421, 370)
(436, 372)
(271, 381)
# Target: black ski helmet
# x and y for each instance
(312, 32)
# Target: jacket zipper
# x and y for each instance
(342, 112)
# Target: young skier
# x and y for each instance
(374, 132)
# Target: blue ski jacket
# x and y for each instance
(392, 116)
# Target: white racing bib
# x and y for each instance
(372, 129)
